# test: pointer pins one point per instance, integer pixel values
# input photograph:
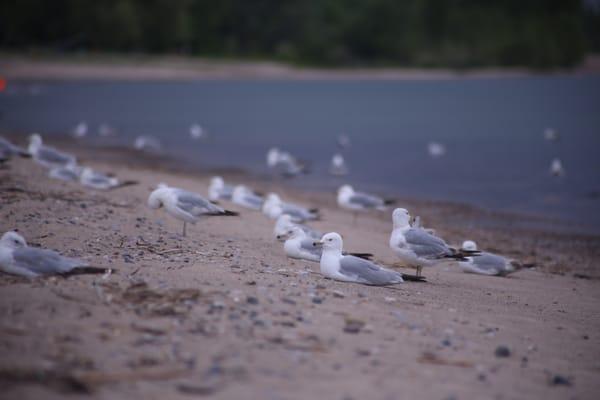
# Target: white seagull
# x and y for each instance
(273, 207)
(81, 130)
(436, 149)
(284, 224)
(17, 258)
(556, 168)
(48, 156)
(301, 246)
(487, 263)
(183, 205)
(147, 143)
(418, 248)
(358, 201)
(245, 197)
(218, 189)
(284, 163)
(97, 180)
(338, 165)
(337, 266)
(197, 132)
(551, 134)
(67, 173)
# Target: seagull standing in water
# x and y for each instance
(337, 266)
(243, 196)
(273, 207)
(183, 205)
(487, 263)
(48, 156)
(417, 247)
(17, 258)
(218, 189)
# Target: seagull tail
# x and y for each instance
(366, 256)
(126, 183)
(88, 270)
(227, 213)
(461, 255)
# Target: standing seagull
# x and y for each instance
(245, 197)
(418, 248)
(337, 266)
(338, 165)
(218, 189)
(487, 263)
(183, 205)
(17, 258)
(48, 156)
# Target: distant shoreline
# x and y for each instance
(176, 68)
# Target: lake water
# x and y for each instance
(492, 129)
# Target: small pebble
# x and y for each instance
(502, 351)
(559, 380)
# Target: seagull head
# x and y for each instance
(345, 191)
(469, 245)
(401, 218)
(217, 182)
(292, 233)
(13, 240)
(155, 200)
(331, 241)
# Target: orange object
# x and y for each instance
(2, 84)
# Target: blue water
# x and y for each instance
(492, 129)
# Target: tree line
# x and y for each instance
(422, 33)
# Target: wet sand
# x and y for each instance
(222, 313)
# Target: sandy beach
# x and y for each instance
(222, 313)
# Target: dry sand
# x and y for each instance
(224, 314)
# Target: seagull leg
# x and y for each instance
(184, 225)
(419, 267)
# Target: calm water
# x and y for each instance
(496, 155)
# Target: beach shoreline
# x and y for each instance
(19, 66)
(223, 313)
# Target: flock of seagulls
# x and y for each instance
(413, 245)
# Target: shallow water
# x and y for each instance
(492, 128)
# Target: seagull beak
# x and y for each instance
(318, 243)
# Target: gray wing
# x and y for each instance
(365, 271)
(366, 200)
(45, 262)
(227, 191)
(308, 245)
(53, 156)
(425, 244)
(490, 262)
(254, 200)
(196, 204)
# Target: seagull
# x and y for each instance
(284, 224)
(284, 163)
(273, 207)
(245, 197)
(48, 156)
(97, 180)
(197, 132)
(183, 205)
(338, 165)
(17, 258)
(105, 130)
(487, 263)
(7, 149)
(551, 135)
(219, 190)
(81, 130)
(357, 201)
(343, 141)
(147, 143)
(418, 248)
(348, 268)
(68, 173)
(301, 246)
(436, 149)
(556, 168)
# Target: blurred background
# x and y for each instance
(489, 139)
